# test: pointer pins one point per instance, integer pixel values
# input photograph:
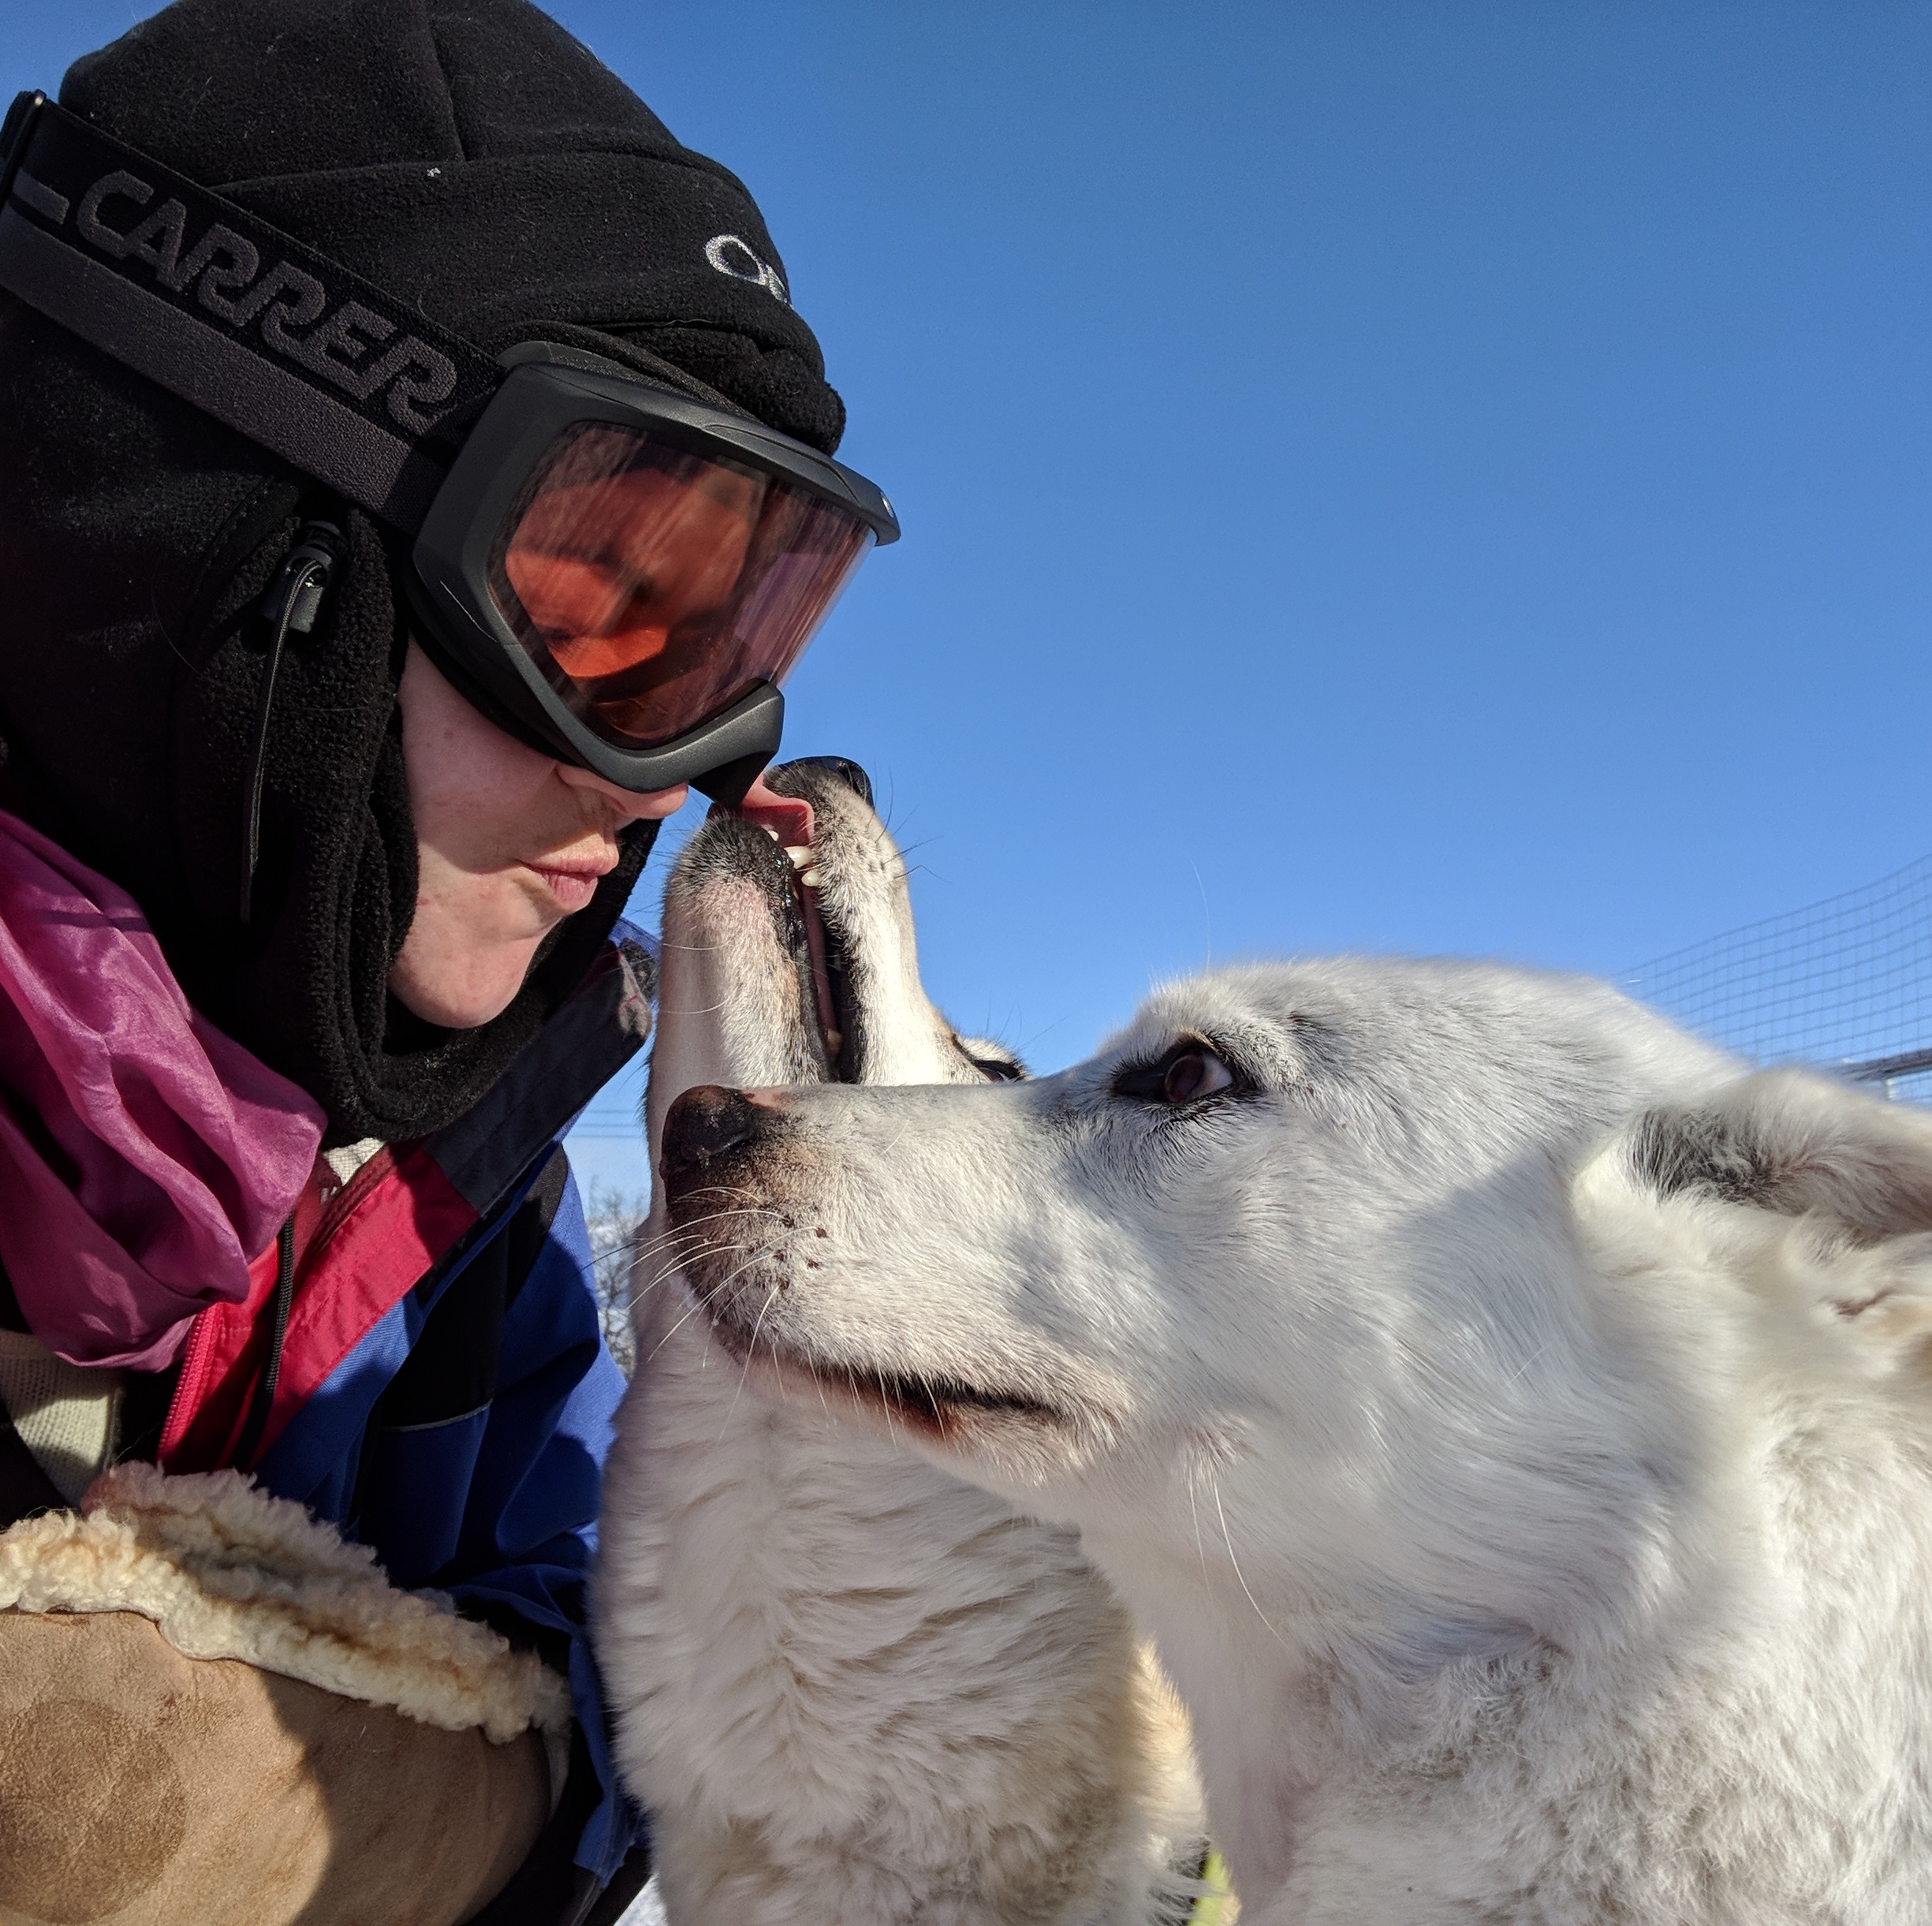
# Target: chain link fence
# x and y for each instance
(1845, 984)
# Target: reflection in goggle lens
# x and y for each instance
(653, 587)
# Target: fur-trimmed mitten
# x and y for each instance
(212, 1711)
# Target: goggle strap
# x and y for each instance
(241, 321)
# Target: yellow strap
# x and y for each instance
(1212, 1906)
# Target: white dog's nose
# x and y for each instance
(705, 1126)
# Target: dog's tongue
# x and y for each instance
(788, 817)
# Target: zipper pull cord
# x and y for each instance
(292, 602)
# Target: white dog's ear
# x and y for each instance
(1856, 1169)
(1800, 1145)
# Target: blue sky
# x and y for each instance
(1376, 473)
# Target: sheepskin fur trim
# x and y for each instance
(227, 1572)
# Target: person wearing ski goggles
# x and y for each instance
(416, 478)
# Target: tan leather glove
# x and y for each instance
(211, 1710)
(140, 1788)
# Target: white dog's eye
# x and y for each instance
(1187, 1074)
(1198, 1073)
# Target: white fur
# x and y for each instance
(851, 1687)
(1509, 1417)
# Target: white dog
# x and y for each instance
(850, 1687)
(1509, 1417)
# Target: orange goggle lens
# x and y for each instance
(653, 587)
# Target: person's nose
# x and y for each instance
(628, 805)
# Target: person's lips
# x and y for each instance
(573, 881)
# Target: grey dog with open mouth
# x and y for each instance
(848, 1686)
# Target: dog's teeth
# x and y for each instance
(811, 879)
(799, 854)
(769, 830)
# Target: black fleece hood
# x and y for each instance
(469, 156)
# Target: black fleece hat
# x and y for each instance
(467, 154)
(471, 156)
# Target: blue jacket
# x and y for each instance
(444, 1394)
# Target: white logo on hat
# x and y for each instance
(731, 254)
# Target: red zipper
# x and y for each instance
(187, 1385)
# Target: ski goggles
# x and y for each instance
(620, 575)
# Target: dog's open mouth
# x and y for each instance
(790, 822)
(943, 1406)
(934, 1403)
(787, 868)
(824, 951)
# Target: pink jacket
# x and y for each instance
(145, 1159)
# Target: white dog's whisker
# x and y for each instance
(745, 1371)
(1194, 1510)
(1227, 1539)
(691, 1311)
(690, 1230)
